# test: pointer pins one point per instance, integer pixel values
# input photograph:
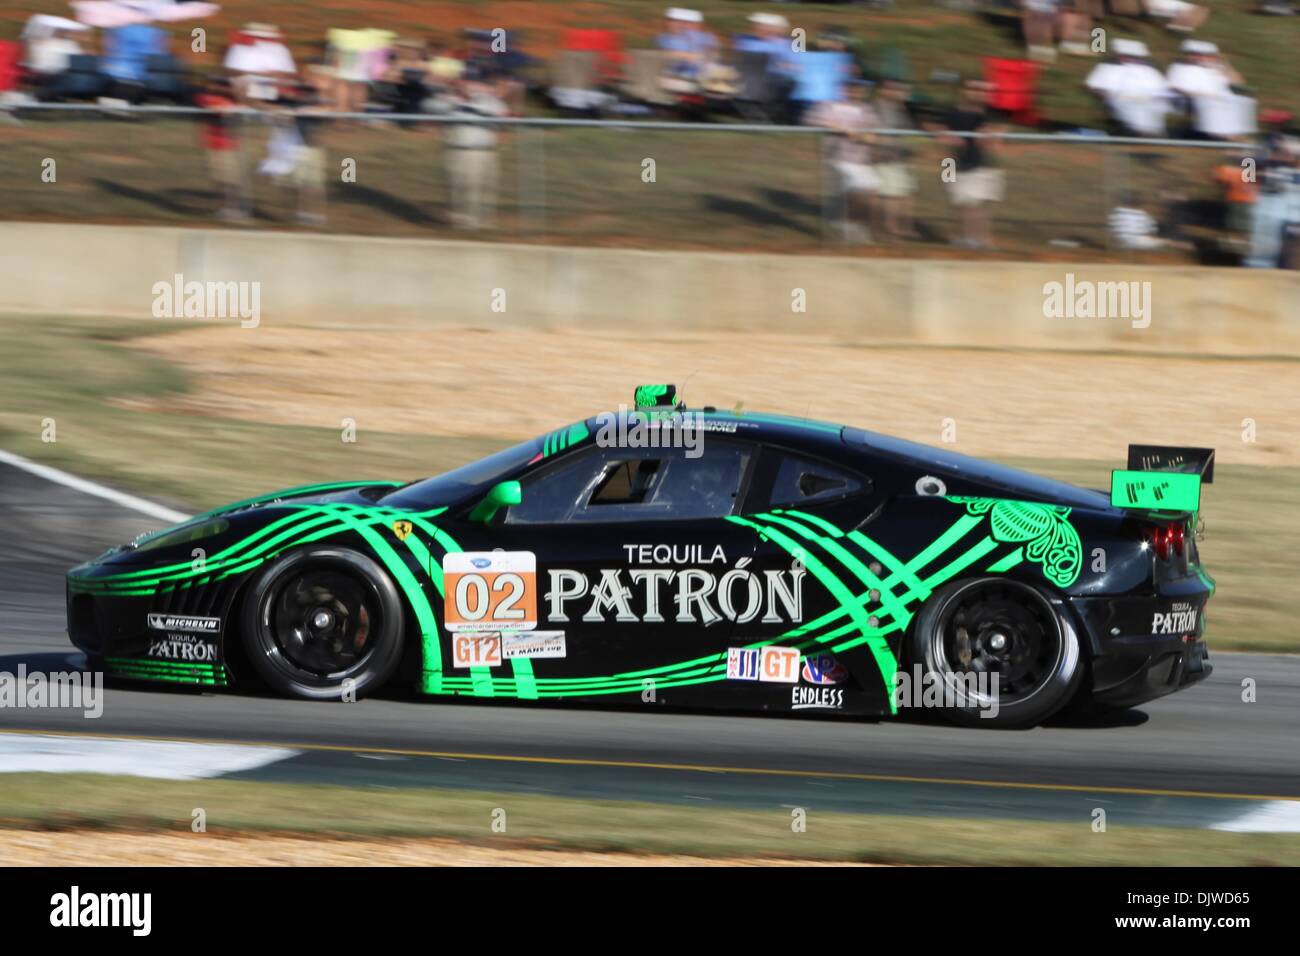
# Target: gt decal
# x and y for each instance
(490, 590)
(779, 665)
(476, 650)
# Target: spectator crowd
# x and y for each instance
(767, 72)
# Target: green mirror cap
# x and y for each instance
(502, 495)
(1155, 490)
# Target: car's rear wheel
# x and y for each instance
(1002, 653)
(323, 624)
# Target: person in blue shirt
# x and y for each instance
(690, 46)
(126, 58)
(771, 36)
(1278, 205)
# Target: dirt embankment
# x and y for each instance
(518, 383)
(109, 848)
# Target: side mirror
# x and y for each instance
(502, 495)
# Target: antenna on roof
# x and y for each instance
(682, 390)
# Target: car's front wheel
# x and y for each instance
(999, 650)
(323, 624)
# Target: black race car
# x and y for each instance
(694, 558)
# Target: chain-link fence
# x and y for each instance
(641, 184)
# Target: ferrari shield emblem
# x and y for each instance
(401, 529)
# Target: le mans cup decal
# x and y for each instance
(490, 590)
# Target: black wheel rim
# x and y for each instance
(1000, 630)
(323, 622)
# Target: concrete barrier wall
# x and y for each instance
(361, 281)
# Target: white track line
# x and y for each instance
(168, 760)
(151, 508)
(1275, 816)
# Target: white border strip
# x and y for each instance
(162, 759)
(1275, 816)
(151, 508)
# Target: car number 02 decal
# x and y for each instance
(490, 590)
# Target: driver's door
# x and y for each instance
(639, 575)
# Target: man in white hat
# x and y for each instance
(259, 63)
(1180, 16)
(689, 45)
(1205, 81)
(770, 36)
(51, 47)
(1135, 92)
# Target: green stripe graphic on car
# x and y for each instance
(178, 672)
(839, 630)
(876, 591)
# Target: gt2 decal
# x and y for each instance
(475, 650)
(490, 590)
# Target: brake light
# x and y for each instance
(1178, 538)
(1166, 539)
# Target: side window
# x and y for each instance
(637, 484)
(803, 480)
(550, 494)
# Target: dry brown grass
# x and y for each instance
(518, 383)
(105, 848)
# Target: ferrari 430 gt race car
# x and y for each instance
(662, 556)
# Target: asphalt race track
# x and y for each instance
(1191, 748)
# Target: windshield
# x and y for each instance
(454, 485)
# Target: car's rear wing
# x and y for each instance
(1162, 478)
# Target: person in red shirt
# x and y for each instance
(223, 148)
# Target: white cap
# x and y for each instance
(685, 14)
(774, 20)
(261, 31)
(1199, 47)
(1134, 48)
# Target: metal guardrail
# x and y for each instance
(555, 182)
(1083, 139)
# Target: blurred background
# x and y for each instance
(775, 124)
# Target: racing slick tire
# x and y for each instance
(994, 625)
(323, 623)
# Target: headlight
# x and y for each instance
(183, 535)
